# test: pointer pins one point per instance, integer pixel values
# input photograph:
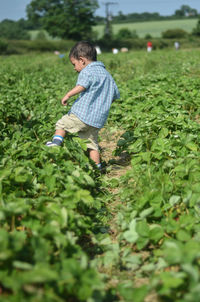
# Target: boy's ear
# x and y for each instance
(83, 60)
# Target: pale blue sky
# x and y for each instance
(16, 9)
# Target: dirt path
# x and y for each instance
(117, 166)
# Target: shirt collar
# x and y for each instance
(95, 63)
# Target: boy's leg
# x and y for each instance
(95, 156)
(60, 132)
(68, 123)
(92, 145)
(73, 125)
(57, 138)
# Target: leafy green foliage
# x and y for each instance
(174, 34)
(54, 237)
(13, 30)
(196, 30)
(125, 33)
(160, 193)
(48, 197)
(186, 11)
(64, 19)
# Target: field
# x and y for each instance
(154, 28)
(34, 34)
(69, 233)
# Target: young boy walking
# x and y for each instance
(90, 110)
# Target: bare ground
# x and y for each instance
(118, 166)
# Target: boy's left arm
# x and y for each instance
(116, 94)
(76, 90)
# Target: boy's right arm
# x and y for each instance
(76, 90)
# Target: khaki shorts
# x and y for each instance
(72, 124)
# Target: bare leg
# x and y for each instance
(60, 132)
(95, 156)
(57, 138)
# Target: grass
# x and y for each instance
(154, 28)
(34, 35)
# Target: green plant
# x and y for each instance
(174, 33)
(3, 46)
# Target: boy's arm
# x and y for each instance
(76, 90)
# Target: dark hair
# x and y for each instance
(83, 49)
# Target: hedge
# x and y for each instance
(24, 46)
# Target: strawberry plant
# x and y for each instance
(55, 209)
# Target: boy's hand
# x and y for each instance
(76, 90)
(64, 100)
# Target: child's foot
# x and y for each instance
(99, 166)
(102, 167)
(57, 141)
(51, 144)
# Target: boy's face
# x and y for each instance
(78, 64)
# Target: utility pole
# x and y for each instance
(108, 18)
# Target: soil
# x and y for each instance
(117, 166)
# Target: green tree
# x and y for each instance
(12, 30)
(174, 33)
(27, 24)
(196, 30)
(125, 33)
(67, 19)
(186, 11)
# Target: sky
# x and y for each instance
(16, 9)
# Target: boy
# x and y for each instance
(90, 110)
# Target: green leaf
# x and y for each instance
(174, 199)
(142, 242)
(22, 265)
(145, 213)
(131, 236)
(133, 294)
(156, 232)
(142, 228)
(171, 280)
(85, 196)
(89, 180)
(163, 132)
(173, 252)
(192, 146)
(50, 182)
(183, 235)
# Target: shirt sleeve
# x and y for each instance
(116, 92)
(84, 80)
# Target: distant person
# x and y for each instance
(98, 49)
(176, 45)
(149, 46)
(124, 49)
(115, 51)
(90, 110)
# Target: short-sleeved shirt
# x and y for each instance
(93, 105)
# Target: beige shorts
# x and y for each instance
(72, 124)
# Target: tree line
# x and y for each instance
(74, 19)
(185, 11)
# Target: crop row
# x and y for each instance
(160, 201)
(54, 209)
(49, 210)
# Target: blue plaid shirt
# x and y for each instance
(93, 105)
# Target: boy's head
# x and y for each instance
(82, 54)
(83, 49)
